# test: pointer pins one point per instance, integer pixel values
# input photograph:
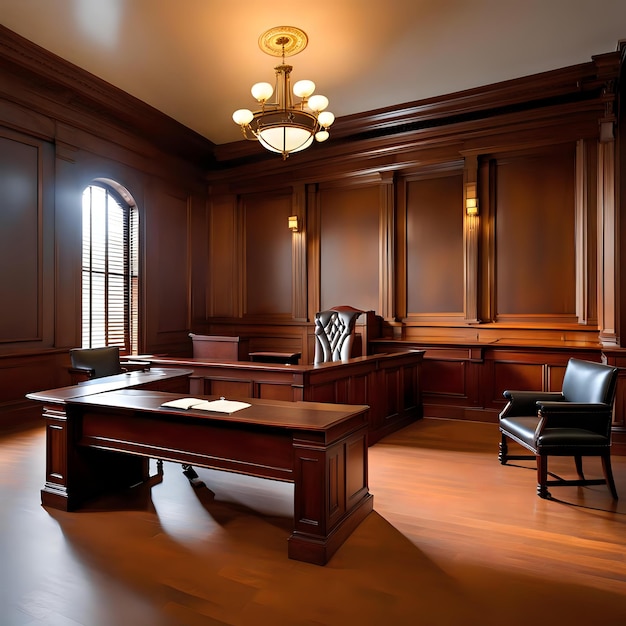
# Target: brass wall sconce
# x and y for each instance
(471, 199)
(294, 225)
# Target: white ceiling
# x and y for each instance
(196, 60)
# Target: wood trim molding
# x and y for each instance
(581, 209)
(471, 230)
(298, 257)
(573, 85)
(387, 245)
(313, 225)
(607, 320)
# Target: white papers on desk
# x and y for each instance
(220, 406)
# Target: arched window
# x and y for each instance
(110, 267)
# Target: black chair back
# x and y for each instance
(585, 381)
(102, 361)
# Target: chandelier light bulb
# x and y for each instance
(262, 91)
(325, 119)
(303, 88)
(318, 103)
(242, 116)
(322, 135)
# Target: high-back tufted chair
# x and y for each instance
(334, 333)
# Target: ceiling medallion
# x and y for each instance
(283, 41)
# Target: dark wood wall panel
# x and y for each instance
(590, 229)
(444, 377)
(167, 254)
(535, 256)
(23, 373)
(349, 247)
(228, 388)
(517, 376)
(224, 258)
(268, 264)
(434, 265)
(21, 239)
(199, 262)
(70, 179)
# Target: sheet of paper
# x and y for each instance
(183, 403)
(221, 406)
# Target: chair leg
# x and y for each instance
(579, 466)
(608, 474)
(542, 476)
(503, 450)
(194, 480)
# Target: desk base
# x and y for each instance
(318, 551)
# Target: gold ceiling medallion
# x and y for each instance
(281, 125)
(283, 41)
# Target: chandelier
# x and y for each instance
(282, 125)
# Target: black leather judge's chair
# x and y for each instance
(574, 422)
(89, 363)
(334, 333)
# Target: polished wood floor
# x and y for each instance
(455, 539)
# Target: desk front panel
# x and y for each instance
(254, 450)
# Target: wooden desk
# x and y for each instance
(388, 383)
(102, 440)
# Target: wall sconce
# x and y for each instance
(471, 199)
(294, 226)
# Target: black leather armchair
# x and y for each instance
(88, 363)
(573, 422)
(334, 333)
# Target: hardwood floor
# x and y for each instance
(455, 539)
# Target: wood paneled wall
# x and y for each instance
(527, 267)
(58, 133)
